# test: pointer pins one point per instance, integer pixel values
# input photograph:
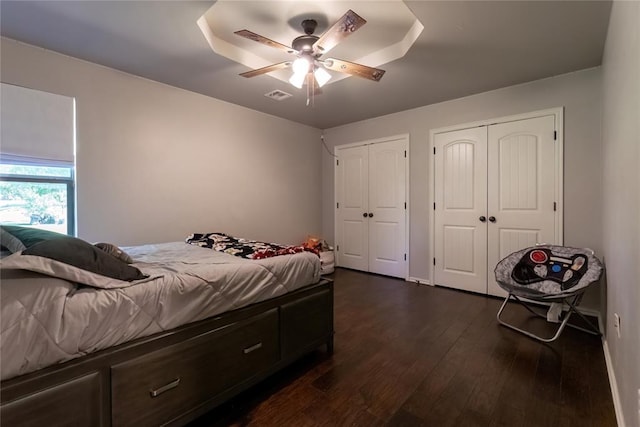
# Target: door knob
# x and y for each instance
(492, 218)
(482, 218)
(364, 214)
(370, 214)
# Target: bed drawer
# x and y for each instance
(158, 387)
(77, 402)
(305, 323)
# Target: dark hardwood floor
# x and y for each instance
(409, 355)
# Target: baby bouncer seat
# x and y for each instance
(548, 274)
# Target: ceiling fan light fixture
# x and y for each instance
(297, 79)
(301, 66)
(322, 76)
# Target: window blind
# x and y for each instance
(37, 127)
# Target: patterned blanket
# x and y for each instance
(244, 248)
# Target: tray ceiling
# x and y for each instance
(390, 31)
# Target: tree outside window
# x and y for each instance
(37, 196)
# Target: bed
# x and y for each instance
(194, 329)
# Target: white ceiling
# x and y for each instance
(466, 47)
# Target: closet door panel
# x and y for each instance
(461, 202)
(521, 188)
(387, 198)
(352, 233)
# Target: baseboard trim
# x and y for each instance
(613, 384)
(590, 312)
(418, 281)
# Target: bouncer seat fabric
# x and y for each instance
(548, 272)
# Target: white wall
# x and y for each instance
(155, 163)
(579, 93)
(621, 201)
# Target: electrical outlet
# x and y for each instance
(616, 323)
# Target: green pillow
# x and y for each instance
(16, 238)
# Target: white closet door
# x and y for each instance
(387, 198)
(521, 189)
(352, 234)
(461, 201)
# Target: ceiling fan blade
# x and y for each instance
(267, 69)
(354, 69)
(261, 39)
(346, 25)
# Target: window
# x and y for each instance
(37, 161)
(37, 196)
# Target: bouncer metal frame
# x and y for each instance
(572, 301)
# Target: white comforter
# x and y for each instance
(44, 320)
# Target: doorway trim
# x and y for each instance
(558, 114)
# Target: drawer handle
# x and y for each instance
(172, 384)
(252, 348)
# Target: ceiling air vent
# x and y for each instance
(278, 95)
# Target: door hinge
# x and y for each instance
(555, 135)
(337, 162)
(405, 205)
(405, 154)
(434, 206)
(405, 257)
(338, 205)
(554, 206)
(338, 248)
(434, 261)
(434, 150)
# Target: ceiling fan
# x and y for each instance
(308, 68)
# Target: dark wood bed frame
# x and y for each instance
(173, 377)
